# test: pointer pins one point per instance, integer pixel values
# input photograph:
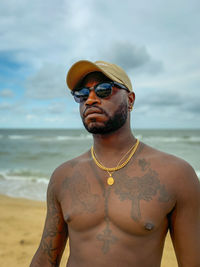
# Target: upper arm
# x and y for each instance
(55, 231)
(185, 219)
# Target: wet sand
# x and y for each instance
(21, 225)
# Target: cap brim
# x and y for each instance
(79, 70)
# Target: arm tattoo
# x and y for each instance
(55, 232)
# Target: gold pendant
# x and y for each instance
(110, 180)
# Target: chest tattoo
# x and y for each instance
(82, 199)
(143, 187)
(106, 237)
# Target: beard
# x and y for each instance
(112, 124)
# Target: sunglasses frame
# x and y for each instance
(112, 83)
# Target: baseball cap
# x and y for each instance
(83, 67)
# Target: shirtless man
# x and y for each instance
(118, 217)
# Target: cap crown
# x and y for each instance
(83, 67)
(115, 73)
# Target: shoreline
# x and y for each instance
(21, 226)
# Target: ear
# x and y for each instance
(131, 100)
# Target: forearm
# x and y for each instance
(185, 221)
(54, 235)
(41, 259)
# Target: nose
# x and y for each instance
(92, 99)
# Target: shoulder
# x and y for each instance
(66, 170)
(165, 160)
(178, 173)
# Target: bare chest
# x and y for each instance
(137, 203)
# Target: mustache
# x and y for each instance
(99, 108)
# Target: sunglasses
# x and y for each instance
(102, 90)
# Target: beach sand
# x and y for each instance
(21, 225)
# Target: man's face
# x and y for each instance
(103, 115)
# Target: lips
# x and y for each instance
(92, 110)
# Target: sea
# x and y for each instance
(29, 156)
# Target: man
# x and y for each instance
(117, 201)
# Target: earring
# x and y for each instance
(131, 108)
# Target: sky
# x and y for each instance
(156, 42)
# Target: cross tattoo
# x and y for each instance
(107, 239)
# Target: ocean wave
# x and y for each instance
(171, 139)
(64, 138)
(19, 137)
(59, 138)
(38, 155)
(194, 139)
(23, 183)
(24, 189)
(23, 174)
(83, 136)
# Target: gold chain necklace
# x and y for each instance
(110, 179)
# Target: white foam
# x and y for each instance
(198, 173)
(194, 138)
(24, 189)
(29, 187)
(64, 138)
(23, 175)
(19, 137)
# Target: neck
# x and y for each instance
(112, 146)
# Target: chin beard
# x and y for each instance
(113, 124)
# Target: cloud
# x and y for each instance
(57, 108)
(5, 106)
(174, 103)
(7, 93)
(30, 117)
(13, 108)
(162, 99)
(131, 57)
(47, 83)
(31, 32)
(156, 45)
(192, 105)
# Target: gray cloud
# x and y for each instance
(163, 99)
(171, 102)
(57, 108)
(192, 105)
(14, 108)
(7, 93)
(129, 56)
(4, 106)
(48, 82)
(132, 57)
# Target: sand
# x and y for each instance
(21, 225)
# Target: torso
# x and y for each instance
(120, 225)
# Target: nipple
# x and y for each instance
(67, 218)
(149, 226)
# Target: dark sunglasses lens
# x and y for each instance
(103, 90)
(81, 95)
